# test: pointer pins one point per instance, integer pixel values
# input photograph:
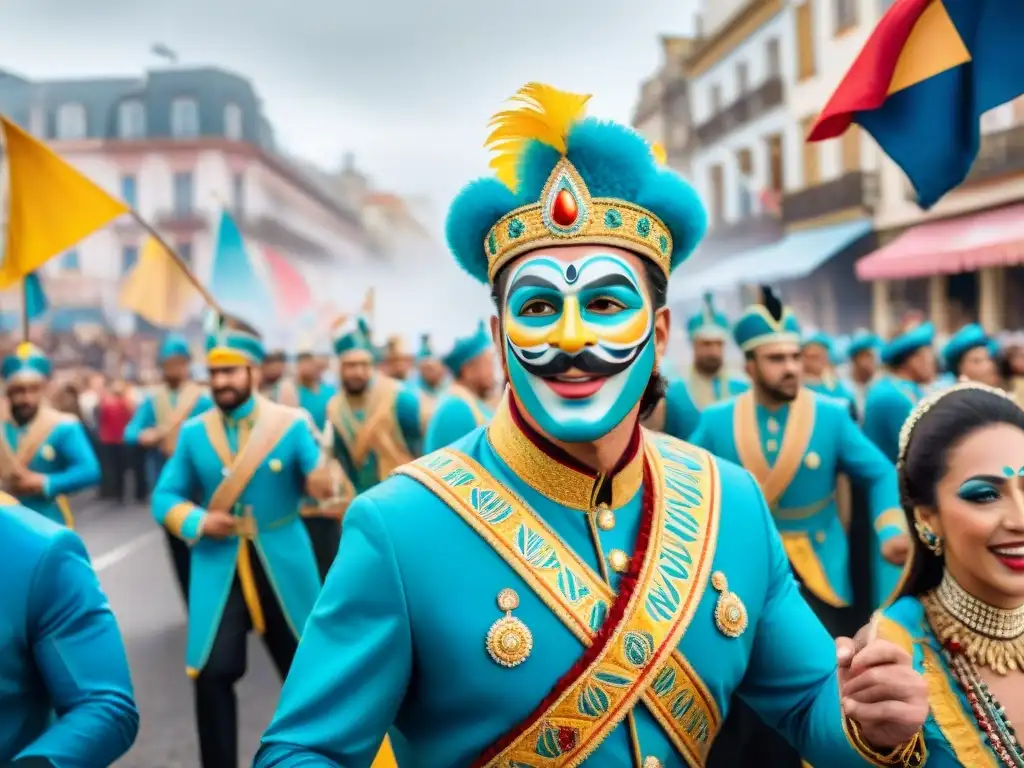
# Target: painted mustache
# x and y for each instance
(605, 363)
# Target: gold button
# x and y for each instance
(605, 517)
(618, 560)
(771, 445)
(820, 537)
(773, 426)
(812, 460)
(652, 762)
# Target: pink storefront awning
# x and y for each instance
(963, 244)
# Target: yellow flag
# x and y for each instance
(157, 288)
(52, 206)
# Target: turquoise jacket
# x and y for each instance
(63, 454)
(676, 414)
(796, 453)
(269, 504)
(951, 732)
(833, 387)
(315, 402)
(395, 436)
(399, 634)
(65, 691)
(705, 390)
(457, 414)
(889, 402)
(157, 407)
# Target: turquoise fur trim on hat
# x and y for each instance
(907, 343)
(963, 341)
(766, 323)
(352, 333)
(228, 338)
(173, 346)
(862, 341)
(27, 362)
(709, 323)
(614, 162)
(466, 349)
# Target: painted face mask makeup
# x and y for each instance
(579, 338)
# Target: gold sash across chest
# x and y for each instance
(379, 433)
(641, 659)
(170, 418)
(13, 461)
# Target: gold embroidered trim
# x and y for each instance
(912, 754)
(808, 567)
(677, 697)
(955, 724)
(558, 482)
(176, 516)
(802, 513)
(891, 518)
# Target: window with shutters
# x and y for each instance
(716, 184)
(742, 78)
(812, 155)
(850, 142)
(805, 40)
(845, 15)
(773, 58)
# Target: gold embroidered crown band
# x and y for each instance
(566, 214)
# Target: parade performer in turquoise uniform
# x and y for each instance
(232, 489)
(709, 382)
(157, 422)
(274, 382)
(464, 407)
(45, 455)
(66, 696)
(961, 471)
(911, 362)
(374, 422)
(606, 589)
(970, 354)
(313, 394)
(819, 359)
(431, 374)
(862, 353)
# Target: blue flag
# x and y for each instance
(234, 282)
(36, 302)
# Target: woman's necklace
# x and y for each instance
(974, 634)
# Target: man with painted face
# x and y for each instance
(157, 422)
(231, 490)
(465, 406)
(597, 591)
(45, 455)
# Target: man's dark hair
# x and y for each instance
(275, 356)
(304, 356)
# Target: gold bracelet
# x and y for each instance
(910, 754)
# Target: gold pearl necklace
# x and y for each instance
(988, 636)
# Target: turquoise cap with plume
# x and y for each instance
(467, 348)
(708, 323)
(767, 322)
(231, 342)
(352, 332)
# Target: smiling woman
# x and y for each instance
(962, 614)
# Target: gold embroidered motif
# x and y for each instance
(730, 612)
(560, 483)
(509, 640)
(812, 460)
(687, 489)
(956, 725)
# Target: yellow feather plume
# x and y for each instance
(660, 155)
(537, 112)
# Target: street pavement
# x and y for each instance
(130, 555)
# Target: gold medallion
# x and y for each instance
(618, 560)
(812, 460)
(47, 452)
(275, 465)
(605, 517)
(730, 612)
(509, 640)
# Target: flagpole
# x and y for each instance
(24, 309)
(207, 296)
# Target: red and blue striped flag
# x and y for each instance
(928, 72)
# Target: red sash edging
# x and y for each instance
(627, 585)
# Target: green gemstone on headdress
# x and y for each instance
(612, 219)
(643, 226)
(663, 243)
(492, 242)
(516, 228)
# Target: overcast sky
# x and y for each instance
(406, 85)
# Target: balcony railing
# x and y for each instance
(1000, 154)
(856, 189)
(748, 107)
(180, 221)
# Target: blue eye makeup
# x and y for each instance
(979, 491)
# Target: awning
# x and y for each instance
(964, 244)
(794, 256)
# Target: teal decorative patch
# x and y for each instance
(663, 243)
(516, 228)
(665, 681)
(638, 647)
(535, 549)
(612, 219)
(492, 243)
(593, 701)
(555, 741)
(643, 226)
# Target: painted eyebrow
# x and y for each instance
(610, 281)
(531, 281)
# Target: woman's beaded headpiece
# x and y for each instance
(927, 403)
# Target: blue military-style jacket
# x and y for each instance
(889, 402)
(457, 414)
(167, 409)
(314, 402)
(374, 433)
(65, 691)
(708, 390)
(796, 453)
(468, 585)
(53, 444)
(254, 464)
